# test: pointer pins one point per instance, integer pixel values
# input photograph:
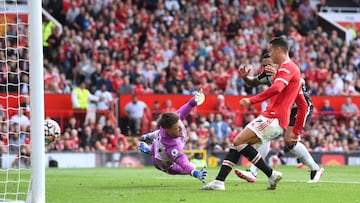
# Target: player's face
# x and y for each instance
(268, 66)
(274, 54)
(175, 130)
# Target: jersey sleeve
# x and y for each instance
(177, 155)
(284, 75)
(185, 109)
(269, 92)
(281, 80)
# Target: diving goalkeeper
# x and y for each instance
(168, 142)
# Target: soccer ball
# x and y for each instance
(52, 131)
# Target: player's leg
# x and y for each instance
(228, 163)
(231, 158)
(299, 150)
(261, 129)
(250, 174)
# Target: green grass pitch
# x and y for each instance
(142, 185)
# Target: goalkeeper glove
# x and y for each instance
(146, 138)
(199, 98)
(200, 174)
(143, 147)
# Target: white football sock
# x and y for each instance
(300, 151)
(263, 149)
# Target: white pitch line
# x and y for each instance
(287, 180)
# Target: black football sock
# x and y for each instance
(254, 157)
(232, 157)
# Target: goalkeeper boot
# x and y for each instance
(274, 179)
(246, 175)
(315, 175)
(145, 148)
(214, 185)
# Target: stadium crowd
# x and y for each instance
(177, 47)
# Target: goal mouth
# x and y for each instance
(16, 122)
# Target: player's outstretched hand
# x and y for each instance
(243, 72)
(199, 97)
(200, 174)
(146, 138)
(143, 147)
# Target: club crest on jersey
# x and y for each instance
(174, 152)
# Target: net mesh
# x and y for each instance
(15, 163)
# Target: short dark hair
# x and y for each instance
(168, 119)
(280, 42)
(265, 56)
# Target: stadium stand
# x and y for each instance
(158, 45)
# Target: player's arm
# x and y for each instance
(185, 109)
(178, 156)
(149, 137)
(249, 80)
(280, 82)
(276, 88)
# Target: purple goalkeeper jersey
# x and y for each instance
(167, 152)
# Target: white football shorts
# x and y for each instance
(265, 128)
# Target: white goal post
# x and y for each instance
(37, 114)
(22, 149)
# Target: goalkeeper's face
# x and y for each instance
(175, 130)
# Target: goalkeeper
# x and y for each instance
(168, 142)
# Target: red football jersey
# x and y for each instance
(282, 93)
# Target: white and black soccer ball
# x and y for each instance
(52, 131)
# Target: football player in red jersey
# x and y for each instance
(292, 140)
(271, 123)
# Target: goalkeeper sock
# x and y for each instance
(230, 160)
(254, 157)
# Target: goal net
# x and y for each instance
(15, 125)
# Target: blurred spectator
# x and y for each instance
(222, 107)
(327, 112)
(349, 109)
(168, 106)
(156, 110)
(22, 159)
(219, 130)
(25, 104)
(203, 135)
(87, 141)
(20, 118)
(126, 88)
(80, 98)
(72, 13)
(66, 143)
(135, 113)
(108, 127)
(104, 103)
(72, 124)
(120, 140)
